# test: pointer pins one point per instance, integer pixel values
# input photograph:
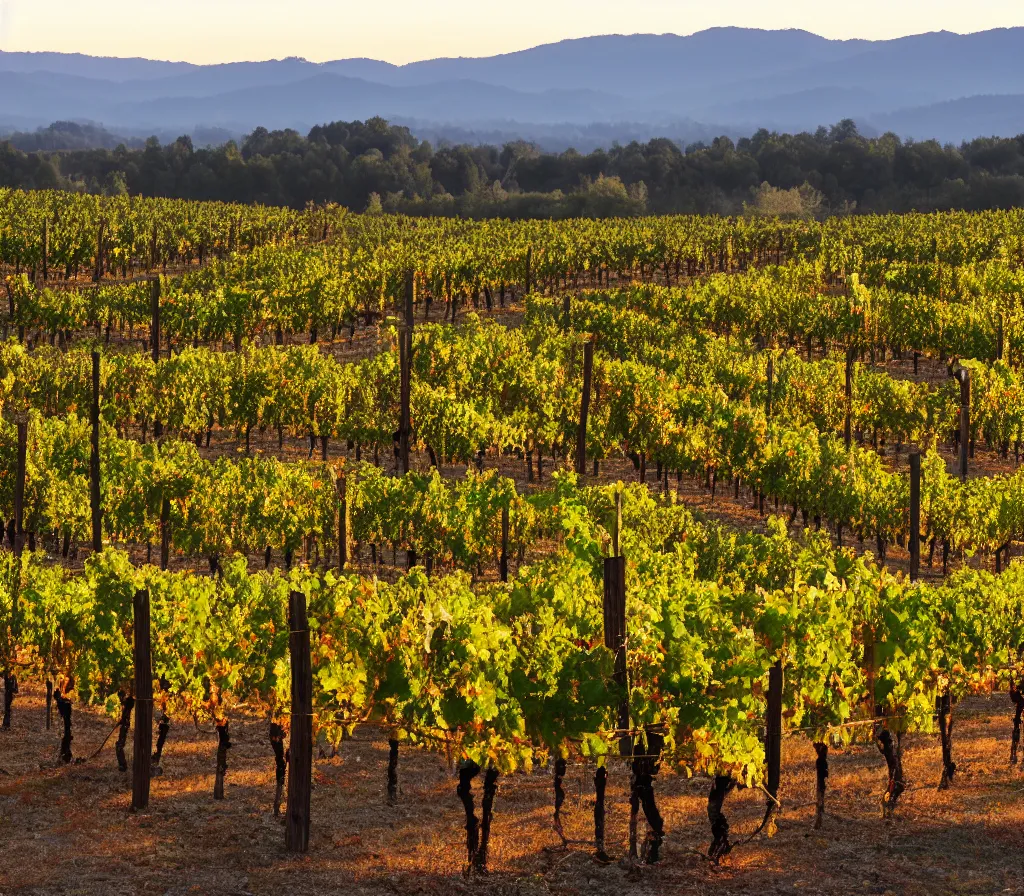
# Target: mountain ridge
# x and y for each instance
(936, 84)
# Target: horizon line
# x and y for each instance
(552, 43)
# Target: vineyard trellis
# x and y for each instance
(642, 635)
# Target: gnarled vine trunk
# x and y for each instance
(223, 745)
(821, 775)
(280, 766)
(945, 708)
(125, 722)
(891, 748)
(720, 846)
(600, 785)
(10, 691)
(64, 711)
(560, 767)
(161, 739)
(392, 771)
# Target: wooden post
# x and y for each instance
(964, 377)
(566, 311)
(94, 460)
(581, 437)
(503, 560)
(46, 250)
(999, 338)
(529, 270)
(343, 524)
(915, 515)
(154, 326)
(618, 524)
(154, 339)
(773, 740)
(97, 273)
(300, 769)
(410, 297)
(165, 533)
(848, 421)
(615, 622)
(615, 637)
(770, 375)
(143, 743)
(19, 490)
(405, 425)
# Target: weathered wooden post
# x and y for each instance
(154, 338)
(915, 515)
(165, 533)
(97, 273)
(300, 768)
(45, 260)
(410, 298)
(963, 375)
(94, 459)
(848, 418)
(405, 389)
(154, 324)
(343, 522)
(773, 743)
(614, 640)
(503, 560)
(143, 743)
(19, 489)
(615, 635)
(581, 437)
(405, 372)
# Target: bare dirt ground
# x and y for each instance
(69, 830)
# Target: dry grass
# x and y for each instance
(70, 831)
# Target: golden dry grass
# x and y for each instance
(70, 831)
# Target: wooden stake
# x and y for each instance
(773, 741)
(581, 437)
(46, 250)
(964, 377)
(143, 743)
(300, 769)
(343, 522)
(154, 325)
(410, 297)
(19, 490)
(165, 533)
(94, 460)
(915, 515)
(618, 524)
(503, 561)
(615, 637)
(848, 419)
(405, 425)
(154, 339)
(97, 273)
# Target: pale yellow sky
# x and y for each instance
(405, 30)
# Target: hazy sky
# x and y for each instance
(404, 30)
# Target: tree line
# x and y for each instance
(376, 166)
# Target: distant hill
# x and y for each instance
(725, 80)
(63, 136)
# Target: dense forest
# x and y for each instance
(373, 165)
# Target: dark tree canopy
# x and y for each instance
(374, 164)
